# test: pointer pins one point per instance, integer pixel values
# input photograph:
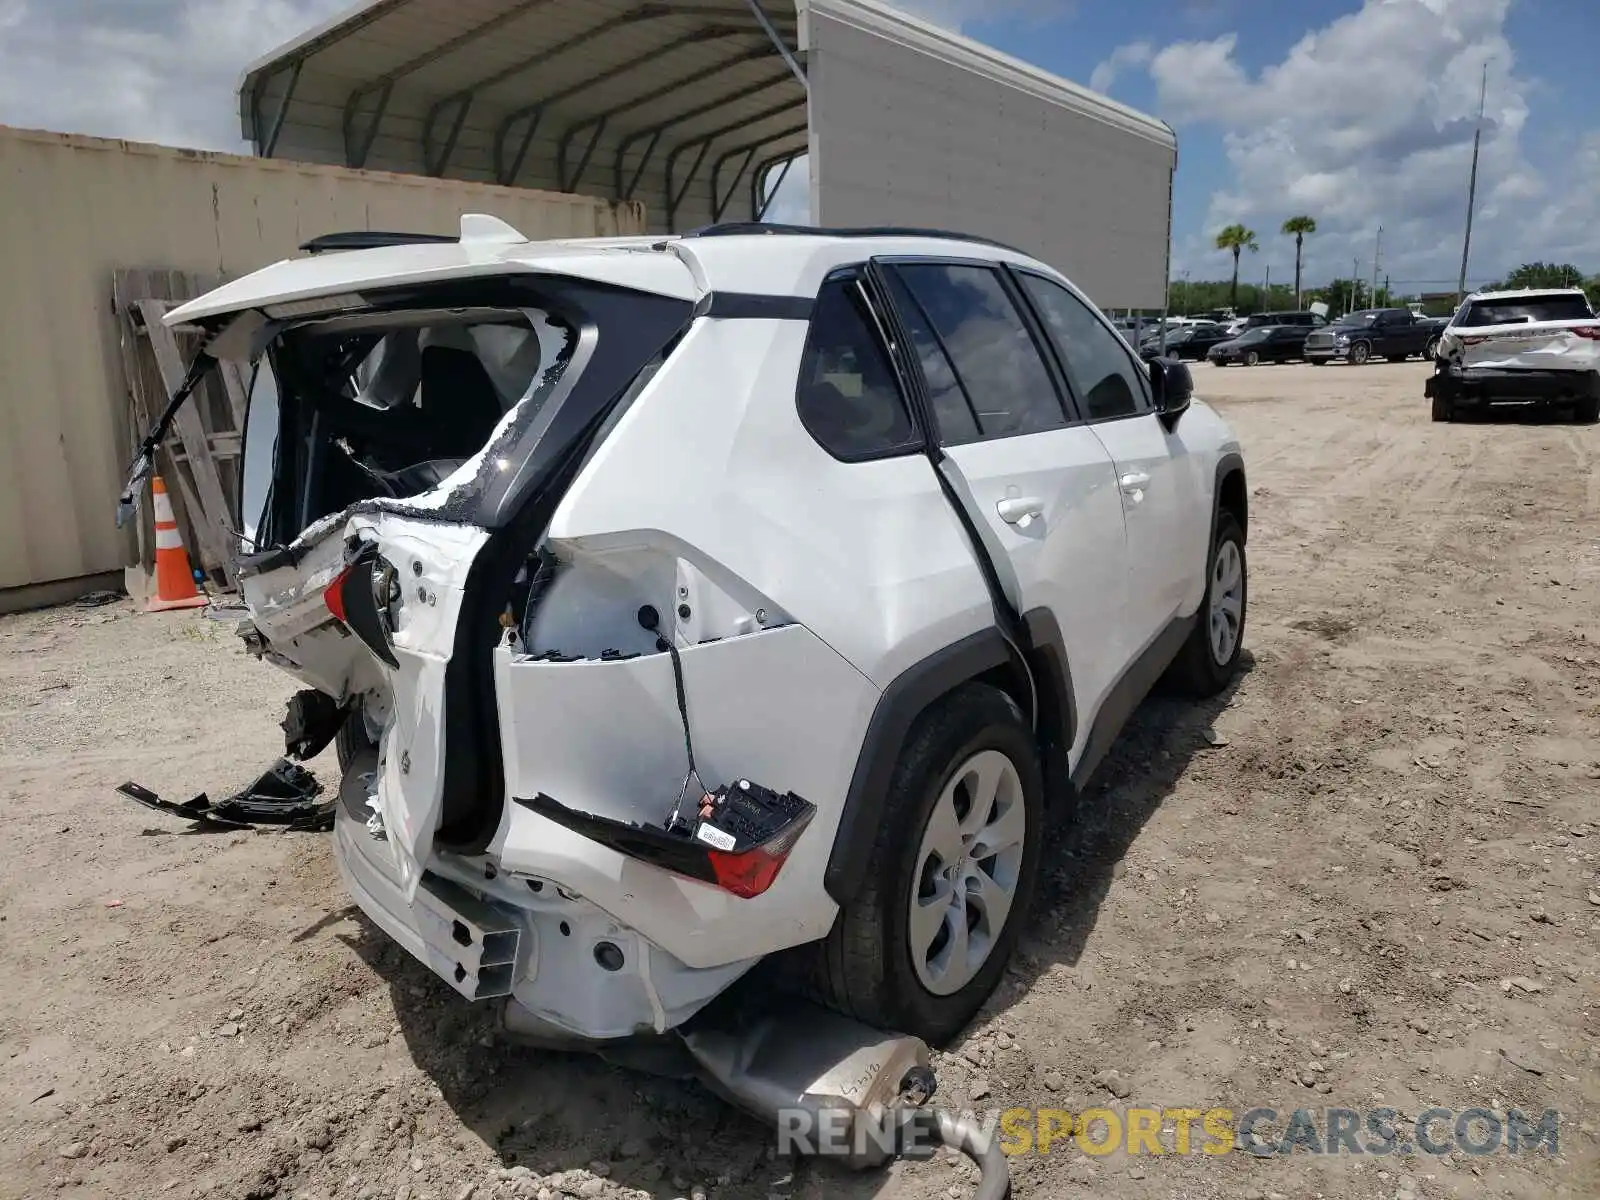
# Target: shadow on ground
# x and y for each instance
(554, 1113)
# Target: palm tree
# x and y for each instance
(1236, 238)
(1297, 228)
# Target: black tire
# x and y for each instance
(1587, 410)
(1442, 410)
(864, 967)
(1431, 351)
(1251, 358)
(352, 741)
(1196, 669)
(1360, 353)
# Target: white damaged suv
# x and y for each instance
(681, 602)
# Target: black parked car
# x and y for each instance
(1187, 341)
(1391, 333)
(1265, 343)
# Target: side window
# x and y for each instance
(1103, 375)
(848, 397)
(994, 361)
(952, 407)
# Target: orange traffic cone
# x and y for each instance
(174, 584)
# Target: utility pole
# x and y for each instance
(1266, 292)
(1355, 282)
(1472, 185)
(1377, 245)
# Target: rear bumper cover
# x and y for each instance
(1491, 386)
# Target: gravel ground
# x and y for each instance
(1365, 878)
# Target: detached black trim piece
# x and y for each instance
(1128, 693)
(900, 705)
(746, 306)
(655, 846)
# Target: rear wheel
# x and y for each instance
(1442, 411)
(1251, 358)
(1360, 353)
(951, 875)
(1208, 660)
(1431, 350)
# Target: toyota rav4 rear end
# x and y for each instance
(506, 631)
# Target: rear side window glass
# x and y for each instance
(1516, 310)
(848, 397)
(952, 408)
(995, 359)
(1103, 374)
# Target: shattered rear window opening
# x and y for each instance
(1528, 310)
(382, 408)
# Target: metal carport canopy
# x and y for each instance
(696, 107)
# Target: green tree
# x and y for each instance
(1235, 238)
(1298, 228)
(1542, 275)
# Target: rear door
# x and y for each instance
(1040, 487)
(1157, 479)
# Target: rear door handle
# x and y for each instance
(1134, 481)
(1020, 512)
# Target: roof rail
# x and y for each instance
(742, 228)
(362, 239)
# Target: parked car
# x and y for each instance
(1264, 343)
(1309, 320)
(1392, 333)
(1191, 342)
(1521, 347)
(680, 602)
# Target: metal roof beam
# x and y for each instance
(746, 153)
(534, 113)
(599, 122)
(270, 144)
(702, 145)
(762, 196)
(654, 134)
(779, 44)
(383, 85)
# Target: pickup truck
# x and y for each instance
(1530, 347)
(1358, 337)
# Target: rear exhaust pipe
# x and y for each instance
(834, 1086)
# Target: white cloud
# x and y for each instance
(151, 70)
(1367, 122)
(1134, 54)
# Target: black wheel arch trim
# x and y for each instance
(916, 690)
(1230, 463)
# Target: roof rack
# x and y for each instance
(362, 239)
(743, 228)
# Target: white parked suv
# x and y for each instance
(1526, 347)
(682, 602)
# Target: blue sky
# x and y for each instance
(1358, 112)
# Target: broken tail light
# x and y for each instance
(1590, 332)
(363, 597)
(744, 835)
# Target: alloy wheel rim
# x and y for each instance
(969, 865)
(1227, 602)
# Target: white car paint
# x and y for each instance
(823, 580)
(1567, 345)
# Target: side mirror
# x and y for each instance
(1173, 389)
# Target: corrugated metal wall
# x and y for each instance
(75, 209)
(913, 127)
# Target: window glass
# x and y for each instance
(995, 358)
(1514, 310)
(848, 397)
(958, 423)
(1106, 380)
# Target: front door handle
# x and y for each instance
(1020, 512)
(1134, 481)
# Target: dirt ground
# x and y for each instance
(1366, 878)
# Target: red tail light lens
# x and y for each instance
(752, 872)
(333, 595)
(1592, 332)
